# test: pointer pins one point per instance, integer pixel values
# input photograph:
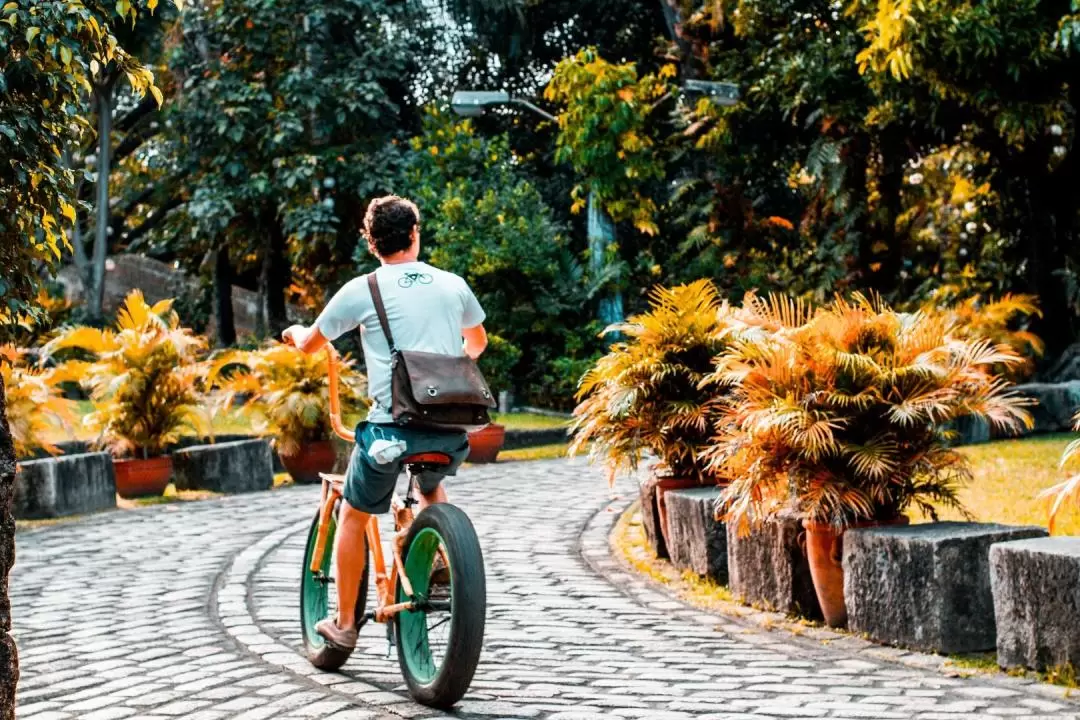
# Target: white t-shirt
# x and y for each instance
(427, 309)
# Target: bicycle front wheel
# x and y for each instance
(318, 599)
(439, 643)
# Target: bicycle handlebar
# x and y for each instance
(332, 360)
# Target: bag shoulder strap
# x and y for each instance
(380, 309)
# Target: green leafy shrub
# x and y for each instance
(482, 220)
(498, 362)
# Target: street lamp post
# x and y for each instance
(600, 229)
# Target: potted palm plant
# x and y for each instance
(646, 396)
(144, 385)
(497, 363)
(286, 396)
(846, 415)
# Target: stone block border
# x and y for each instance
(231, 467)
(1036, 586)
(768, 568)
(696, 540)
(925, 586)
(64, 485)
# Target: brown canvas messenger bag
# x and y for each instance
(430, 390)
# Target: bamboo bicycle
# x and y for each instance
(438, 627)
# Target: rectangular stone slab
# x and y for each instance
(1036, 586)
(697, 541)
(232, 467)
(64, 485)
(650, 518)
(768, 568)
(925, 586)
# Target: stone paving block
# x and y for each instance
(768, 568)
(231, 467)
(64, 485)
(696, 540)
(570, 628)
(925, 586)
(1036, 586)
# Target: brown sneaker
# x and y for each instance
(344, 639)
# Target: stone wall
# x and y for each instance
(160, 281)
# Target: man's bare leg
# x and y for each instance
(351, 553)
(351, 556)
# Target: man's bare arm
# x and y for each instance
(475, 341)
(309, 340)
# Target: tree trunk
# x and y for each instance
(275, 276)
(223, 309)
(9, 655)
(103, 94)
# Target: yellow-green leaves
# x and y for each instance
(603, 133)
(887, 36)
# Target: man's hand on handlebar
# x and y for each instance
(309, 340)
(293, 334)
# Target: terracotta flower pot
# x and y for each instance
(313, 458)
(485, 443)
(662, 487)
(825, 553)
(142, 478)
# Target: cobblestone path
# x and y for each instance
(190, 611)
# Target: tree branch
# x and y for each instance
(132, 238)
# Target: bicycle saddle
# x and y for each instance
(428, 458)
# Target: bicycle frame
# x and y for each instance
(386, 581)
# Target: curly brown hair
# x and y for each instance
(388, 224)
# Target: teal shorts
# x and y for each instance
(369, 486)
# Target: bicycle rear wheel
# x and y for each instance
(439, 643)
(318, 599)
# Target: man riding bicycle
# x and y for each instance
(430, 310)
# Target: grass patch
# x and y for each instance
(1063, 675)
(233, 422)
(542, 452)
(529, 421)
(47, 522)
(171, 495)
(974, 662)
(1008, 476)
(628, 539)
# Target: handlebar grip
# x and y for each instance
(332, 360)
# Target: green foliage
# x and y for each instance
(49, 49)
(894, 145)
(498, 362)
(482, 219)
(144, 378)
(843, 413)
(603, 133)
(286, 392)
(285, 123)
